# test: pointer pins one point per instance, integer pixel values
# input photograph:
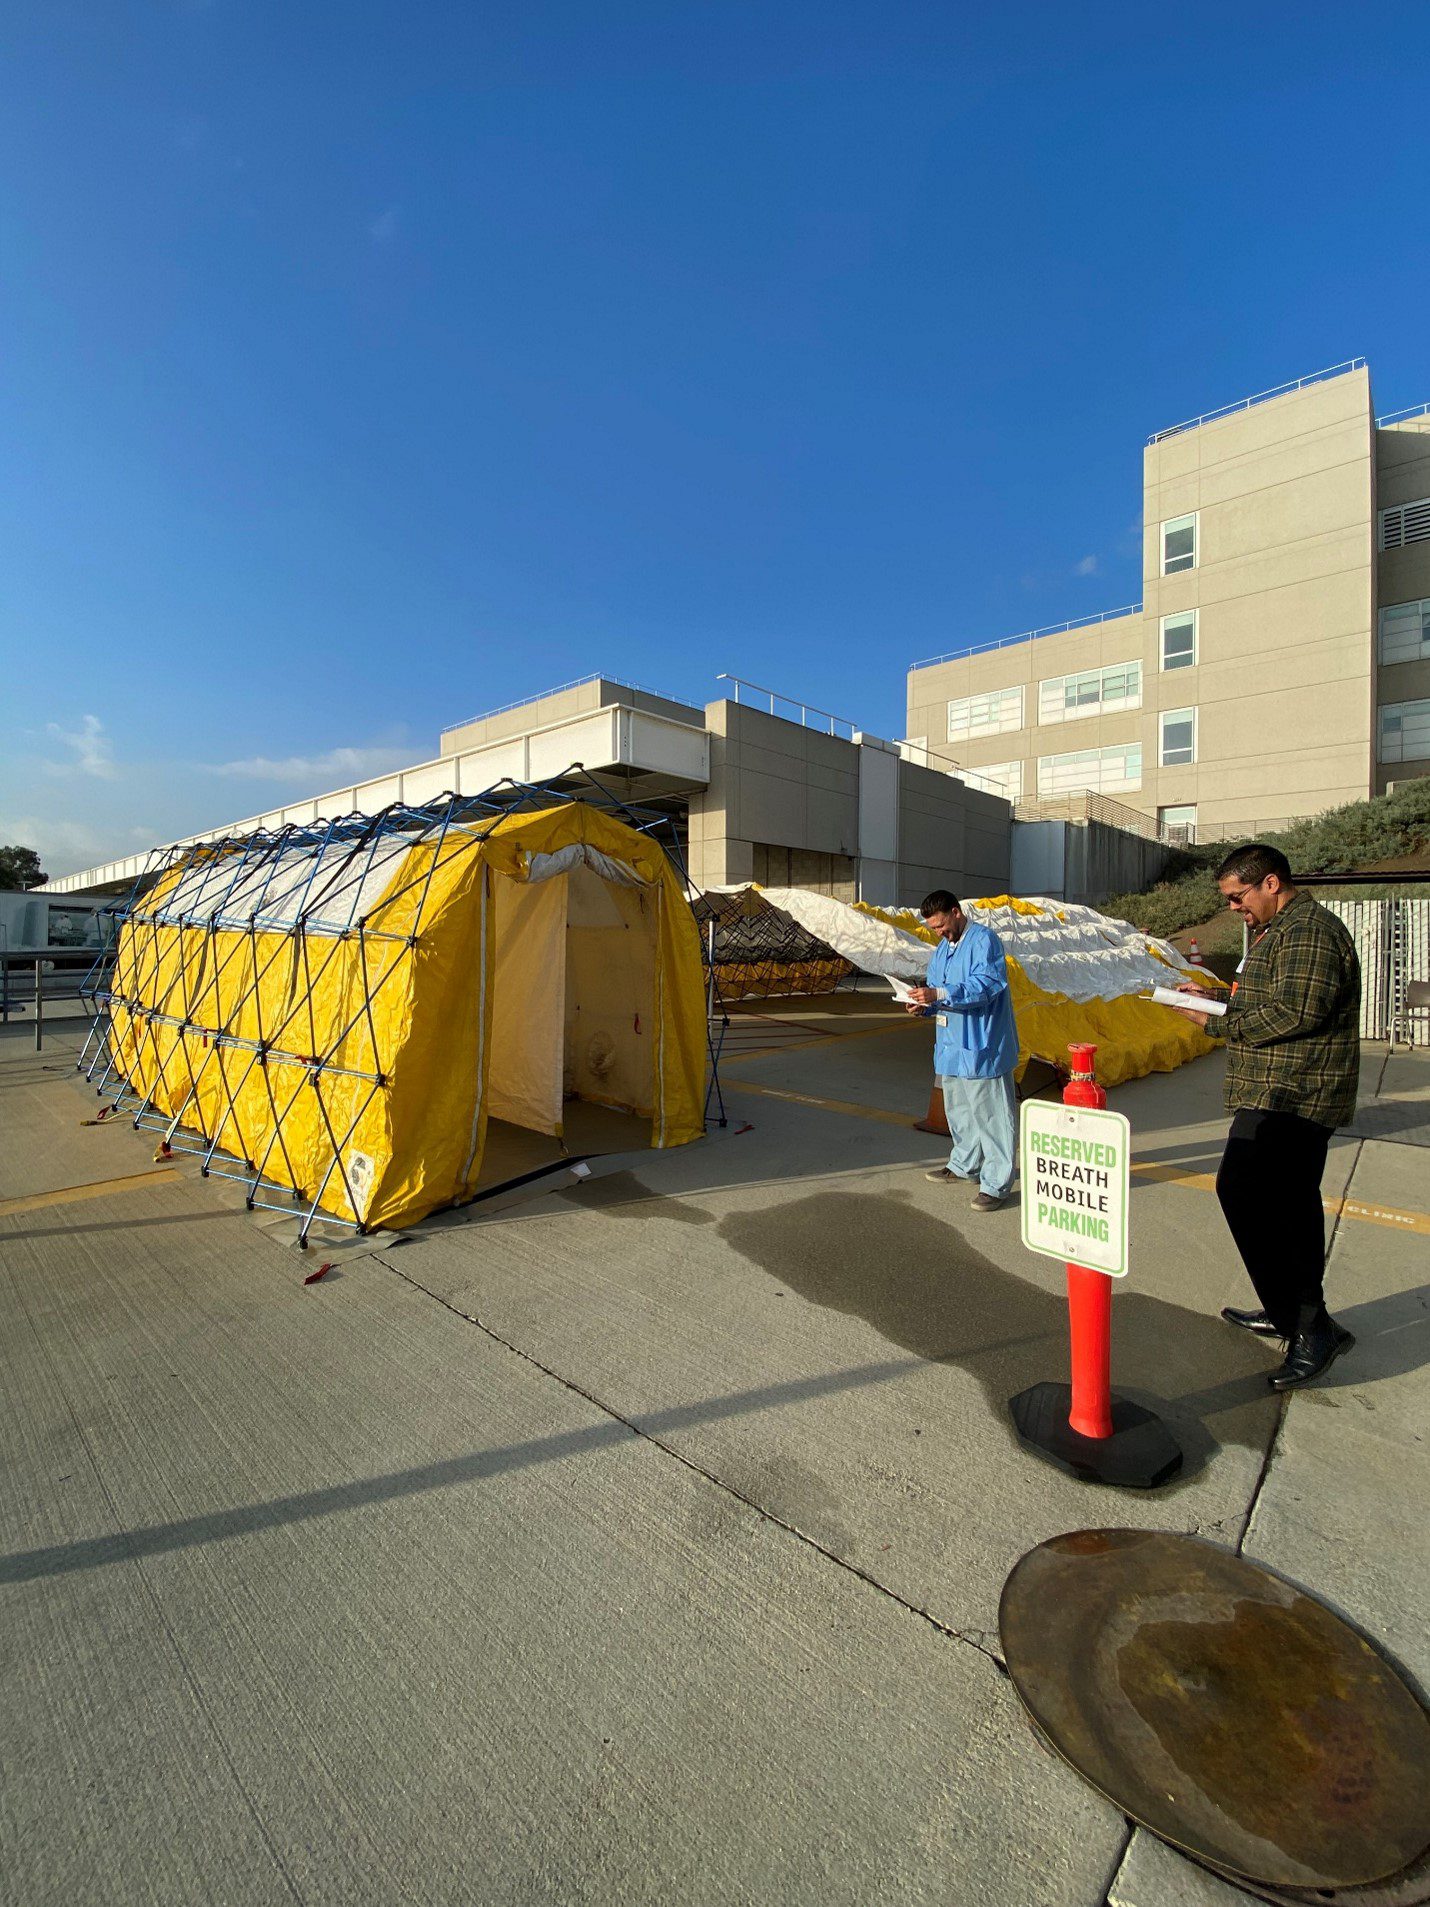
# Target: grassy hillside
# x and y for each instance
(1363, 834)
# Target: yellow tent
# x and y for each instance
(340, 1010)
(1077, 975)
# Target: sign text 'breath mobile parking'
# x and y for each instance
(1075, 1167)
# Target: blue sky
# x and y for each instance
(370, 366)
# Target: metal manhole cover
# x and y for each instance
(1220, 1706)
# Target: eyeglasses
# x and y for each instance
(1235, 900)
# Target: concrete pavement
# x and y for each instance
(640, 1539)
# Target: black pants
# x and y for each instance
(1269, 1184)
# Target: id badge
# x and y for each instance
(940, 1019)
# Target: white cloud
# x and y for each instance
(337, 768)
(384, 228)
(1087, 566)
(64, 846)
(92, 749)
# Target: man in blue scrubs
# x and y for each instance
(975, 1049)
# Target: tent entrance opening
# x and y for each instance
(573, 1018)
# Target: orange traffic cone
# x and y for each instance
(934, 1120)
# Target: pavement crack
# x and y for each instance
(982, 1640)
(1119, 1861)
(161, 1616)
(1274, 1445)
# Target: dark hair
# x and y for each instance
(939, 902)
(1253, 863)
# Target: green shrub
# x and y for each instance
(1335, 842)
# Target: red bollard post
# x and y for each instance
(1084, 1428)
(1089, 1292)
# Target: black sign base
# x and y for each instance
(1140, 1453)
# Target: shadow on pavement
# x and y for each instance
(922, 1285)
(1392, 1338)
(475, 1466)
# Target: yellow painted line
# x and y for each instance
(1177, 1175)
(98, 1188)
(820, 1039)
(1389, 1215)
(845, 1106)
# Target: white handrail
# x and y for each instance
(545, 695)
(1261, 397)
(1401, 417)
(806, 709)
(1030, 635)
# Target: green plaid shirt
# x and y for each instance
(1292, 1030)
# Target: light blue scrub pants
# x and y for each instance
(982, 1118)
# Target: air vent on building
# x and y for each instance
(1406, 523)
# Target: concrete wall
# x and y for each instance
(772, 782)
(580, 699)
(1402, 462)
(1284, 589)
(781, 796)
(950, 835)
(1082, 861)
(1025, 665)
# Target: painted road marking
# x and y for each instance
(1388, 1215)
(99, 1188)
(738, 1055)
(846, 1106)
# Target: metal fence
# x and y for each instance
(1090, 806)
(30, 982)
(1393, 941)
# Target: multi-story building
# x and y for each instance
(1279, 662)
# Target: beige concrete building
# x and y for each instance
(800, 799)
(1279, 662)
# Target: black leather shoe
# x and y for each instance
(1310, 1353)
(1256, 1321)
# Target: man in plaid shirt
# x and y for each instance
(1292, 1067)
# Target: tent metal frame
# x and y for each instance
(301, 883)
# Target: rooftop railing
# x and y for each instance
(827, 724)
(1261, 397)
(563, 688)
(922, 755)
(1402, 417)
(1031, 635)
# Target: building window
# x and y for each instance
(1405, 632)
(1406, 523)
(1063, 698)
(1179, 544)
(1178, 825)
(1007, 777)
(1405, 731)
(990, 714)
(1179, 641)
(1104, 771)
(1179, 737)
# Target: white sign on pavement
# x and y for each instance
(1075, 1163)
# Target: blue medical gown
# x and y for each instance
(975, 1035)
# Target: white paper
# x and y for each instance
(901, 989)
(1187, 1002)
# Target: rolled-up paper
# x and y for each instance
(1187, 1002)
